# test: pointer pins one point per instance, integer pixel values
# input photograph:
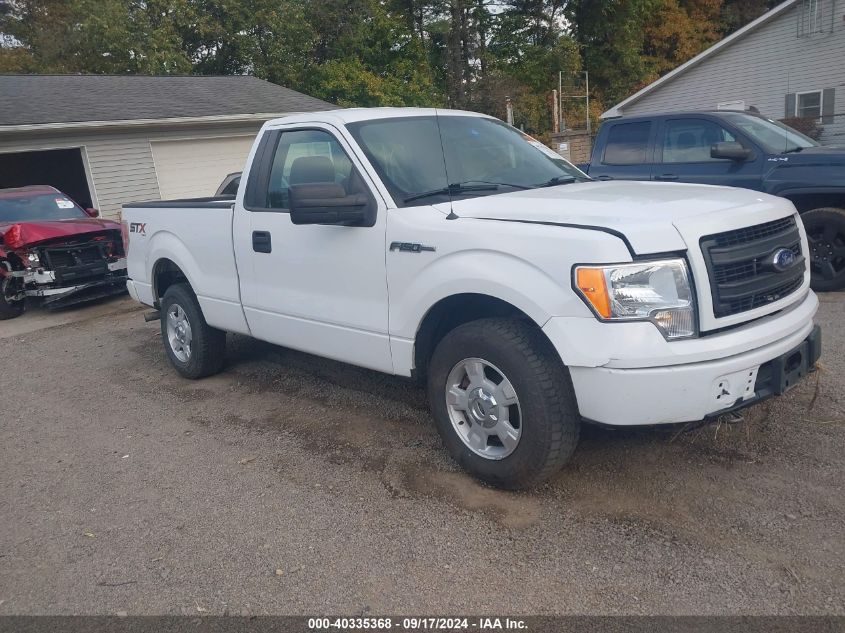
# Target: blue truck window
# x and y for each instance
(689, 140)
(627, 143)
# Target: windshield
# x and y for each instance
(775, 137)
(46, 206)
(431, 159)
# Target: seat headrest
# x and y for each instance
(308, 169)
(686, 140)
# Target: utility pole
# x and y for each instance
(587, 79)
(560, 124)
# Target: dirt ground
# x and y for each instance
(294, 485)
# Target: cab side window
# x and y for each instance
(689, 140)
(309, 157)
(627, 143)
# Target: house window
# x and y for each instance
(808, 105)
(811, 17)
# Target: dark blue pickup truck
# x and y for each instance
(737, 149)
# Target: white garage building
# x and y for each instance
(106, 140)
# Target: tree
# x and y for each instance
(96, 36)
(462, 53)
(627, 44)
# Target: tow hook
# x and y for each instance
(155, 315)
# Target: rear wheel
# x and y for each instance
(9, 309)
(195, 348)
(825, 229)
(503, 402)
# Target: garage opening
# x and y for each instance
(63, 169)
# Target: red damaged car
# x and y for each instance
(53, 249)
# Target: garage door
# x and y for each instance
(195, 168)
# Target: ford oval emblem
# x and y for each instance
(782, 259)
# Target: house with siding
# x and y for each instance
(790, 62)
(108, 140)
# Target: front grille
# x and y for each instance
(742, 276)
(74, 262)
(64, 258)
(753, 233)
(743, 270)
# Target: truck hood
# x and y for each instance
(17, 235)
(817, 167)
(652, 217)
(820, 150)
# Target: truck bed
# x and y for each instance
(195, 235)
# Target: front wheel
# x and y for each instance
(503, 402)
(9, 308)
(825, 230)
(195, 348)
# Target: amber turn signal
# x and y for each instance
(592, 284)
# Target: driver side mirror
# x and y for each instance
(730, 150)
(92, 213)
(327, 203)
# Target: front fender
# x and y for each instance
(486, 272)
(482, 272)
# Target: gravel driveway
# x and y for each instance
(292, 485)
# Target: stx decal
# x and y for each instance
(138, 227)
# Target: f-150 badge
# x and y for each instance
(410, 247)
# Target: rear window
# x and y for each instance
(627, 143)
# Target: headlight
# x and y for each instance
(657, 291)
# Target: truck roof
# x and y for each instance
(660, 115)
(351, 115)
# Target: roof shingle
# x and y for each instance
(42, 99)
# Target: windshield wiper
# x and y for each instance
(456, 188)
(558, 180)
(501, 184)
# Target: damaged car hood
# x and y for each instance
(651, 216)
(17, 235)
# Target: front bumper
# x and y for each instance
(677, 392)
(45, 285)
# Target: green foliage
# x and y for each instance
(469, 54)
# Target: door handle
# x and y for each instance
(604, 177)
(262, 242)
(666, 177)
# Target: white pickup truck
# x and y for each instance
(449, 246)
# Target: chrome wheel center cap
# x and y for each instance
(482, 408)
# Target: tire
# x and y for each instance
(546, 408)
(9, 309)
(825, 229)
(198, 350)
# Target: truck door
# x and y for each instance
(626, 154)
(683, 155)
(316, 288)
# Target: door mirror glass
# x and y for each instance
(730, 150)
(326, 203)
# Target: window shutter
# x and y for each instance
(827, 105)
(789, 107)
